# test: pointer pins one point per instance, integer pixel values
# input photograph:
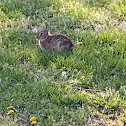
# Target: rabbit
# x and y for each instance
(56, 42)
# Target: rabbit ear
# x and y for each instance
(47, 27)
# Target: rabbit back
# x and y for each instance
(56, 42)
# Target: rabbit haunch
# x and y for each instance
(57, 42)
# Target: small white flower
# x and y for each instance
(64, 74)
(34, 30)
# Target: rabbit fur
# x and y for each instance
(56, 42)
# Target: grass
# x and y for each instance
(84, 87)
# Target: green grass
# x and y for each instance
(32, 80)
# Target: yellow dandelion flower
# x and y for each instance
(10, 107)
(11, 112)
(33, 119)
(33, 122)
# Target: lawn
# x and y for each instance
(85, 87)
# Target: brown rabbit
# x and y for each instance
(57, 42)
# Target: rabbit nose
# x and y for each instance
(37, 35)
(37, 38)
